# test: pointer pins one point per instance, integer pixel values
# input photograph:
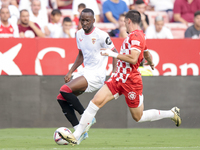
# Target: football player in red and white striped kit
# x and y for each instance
(6, 28)
(126, 80)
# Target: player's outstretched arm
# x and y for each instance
(77, 63)
(147, 56)
(130, 58)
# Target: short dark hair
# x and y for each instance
(196, 13)
(67, 19)
(138, 2)
(81, 5)
(88, 10)
(134, 15)
(122, 15)
(23, 11)
(56, 12)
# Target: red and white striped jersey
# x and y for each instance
(134, 41)
(6, 31)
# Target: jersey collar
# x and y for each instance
(90, 32)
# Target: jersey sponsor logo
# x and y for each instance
(131, 95)
(80, 39)
(93, 40)
(6, 35)
(135, 42)
(108, 41)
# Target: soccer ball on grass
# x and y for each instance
(57, 137)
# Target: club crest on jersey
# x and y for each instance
(131, 95)
(93, 40)
(80, 39)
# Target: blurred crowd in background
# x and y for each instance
(160, 19)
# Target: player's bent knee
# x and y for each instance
(137, 117)
(98, 102)
(65, 89)
(95, 101)
(60, 97)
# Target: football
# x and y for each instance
(57, 137)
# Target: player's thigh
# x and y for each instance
(137, 112)
(103, 96)
(78, 84)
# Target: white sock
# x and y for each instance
(75, 127)
(153, 114)
(86, 118)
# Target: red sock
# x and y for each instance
(60, 97)
(65, 89)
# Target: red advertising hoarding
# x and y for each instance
(45, 56)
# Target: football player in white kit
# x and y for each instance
(89, 42)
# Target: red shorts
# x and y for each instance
(131, 89)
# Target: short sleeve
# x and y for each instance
(105, 7)
(106, 41)
(19, 28)
(145, 48)
(37, 25)
(136, 42)
(77, 41)
(177, 7)
(188, 33)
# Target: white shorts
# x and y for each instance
(94, 80)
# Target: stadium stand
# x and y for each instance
(105, 26)
(178, 29)
(65, 13)
(152, 15)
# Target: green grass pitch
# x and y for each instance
(103, 139)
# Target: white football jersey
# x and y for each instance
(90, 45)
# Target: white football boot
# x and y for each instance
(69, 138)
(176, 118)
